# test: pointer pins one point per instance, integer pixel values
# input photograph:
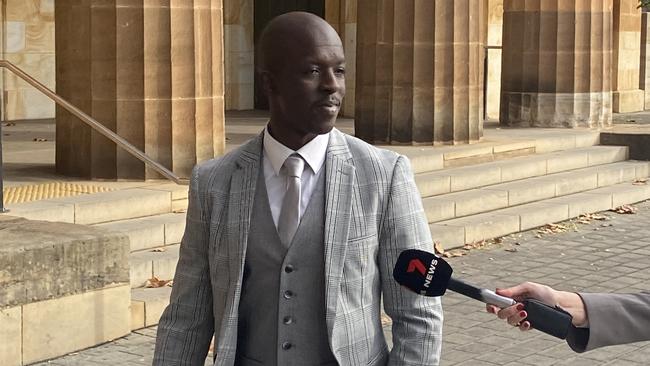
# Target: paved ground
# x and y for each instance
(610, 255)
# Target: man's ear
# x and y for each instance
(268, 82)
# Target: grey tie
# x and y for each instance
(290, 212)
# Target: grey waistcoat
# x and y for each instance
(282, 305)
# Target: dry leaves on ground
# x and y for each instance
(438, 249)
(640, 181)
(155, 282)
(9, 124)
(159, 250)
(180, 210)
(454, 253)
(550, 229)
(465, 249)
(39, 139)
(625, 209)
(587, 218)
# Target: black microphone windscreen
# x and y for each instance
(422, 272)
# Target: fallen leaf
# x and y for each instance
(9, 124)
(437, 247)
(512, 250)
(625, 209)
(640, 181)
(180, 210)
(159, 250)
(38, 139)
(155, 282)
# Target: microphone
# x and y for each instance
(429, 275)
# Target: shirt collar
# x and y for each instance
(314, 152)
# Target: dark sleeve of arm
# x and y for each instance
(417, 320)
(186, 326)
(613, 319)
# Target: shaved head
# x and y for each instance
(291, 31)
(301, 65)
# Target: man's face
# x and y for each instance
(309, 87)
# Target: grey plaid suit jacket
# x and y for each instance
(373, 213)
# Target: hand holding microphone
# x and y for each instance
(429, 275)
(569, 301)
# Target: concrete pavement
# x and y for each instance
(611, 255)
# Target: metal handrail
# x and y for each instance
(121, 142)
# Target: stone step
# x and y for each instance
(97, 208)
(147, 305)
(152, 231)
(159, 262)
(457, 232)
(519, 143)
(498, 196)
(469, 177)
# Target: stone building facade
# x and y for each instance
(161, 73)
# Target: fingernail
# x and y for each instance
(522, 314)
(520, 307)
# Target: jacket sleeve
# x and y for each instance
(417, 320)
(186, 326)
(613, 319)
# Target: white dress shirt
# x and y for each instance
(273, 158)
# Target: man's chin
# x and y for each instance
(325, 127)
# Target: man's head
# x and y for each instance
(302, 68)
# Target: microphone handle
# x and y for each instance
(480, 294)
(550, 320)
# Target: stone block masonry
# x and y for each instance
(63, 287)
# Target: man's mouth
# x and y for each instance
(329, 104)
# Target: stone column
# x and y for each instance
(644, 73)
(342, 15)
(150, 70)
(627, 97)
(238, 44)
(556, 69)
(419, 73)
(494, 43)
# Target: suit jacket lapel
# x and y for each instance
(240, 204)
(338, 209)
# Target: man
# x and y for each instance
(291, 239)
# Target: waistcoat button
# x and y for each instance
(286, 346)
(288, 268)
(288, 294)
(287, 320)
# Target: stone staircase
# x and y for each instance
(470, 193)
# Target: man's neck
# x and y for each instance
(292, 141)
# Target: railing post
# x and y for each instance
(2, 196)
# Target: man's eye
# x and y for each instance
(340, 71)
(314, 72)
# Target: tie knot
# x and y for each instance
(294, 165)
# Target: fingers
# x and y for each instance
(519, 291)
(492, 309)
(511, 312)
(517, 319)
(514, 315)
(524, 326)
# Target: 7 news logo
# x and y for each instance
(417, 265)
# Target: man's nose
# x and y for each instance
(331, 82)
